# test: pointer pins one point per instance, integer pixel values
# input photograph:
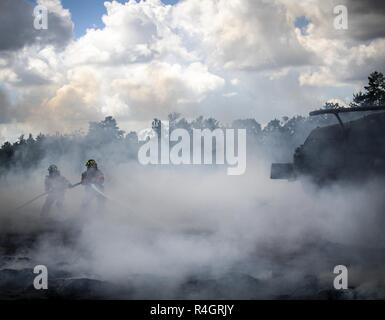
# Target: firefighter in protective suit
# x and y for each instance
(93, 180)
(55, 185)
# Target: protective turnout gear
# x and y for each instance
(55, 185)
(92, 176)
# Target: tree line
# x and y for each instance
(276, 140)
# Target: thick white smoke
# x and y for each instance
(171, 224)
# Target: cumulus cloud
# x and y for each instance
(366, 19)
(29, 59)
(136, 67)
(242, 35)
(150, 59)
(16, 25)
(5, 106)
(343, 56)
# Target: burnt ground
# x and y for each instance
(304, 272)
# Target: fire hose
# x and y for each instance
(97, 190)
(120, 204)
(72, 186)
(94, 187)
(41, 195)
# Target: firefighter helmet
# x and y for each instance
(53, 168)
(91, 164)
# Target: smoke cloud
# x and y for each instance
(195, 232)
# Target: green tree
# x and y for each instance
(252, 127)
(330, 105)
(105, 131)
(273, 126)
(374, 93)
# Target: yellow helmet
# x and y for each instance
(53, 169)
(91, 164)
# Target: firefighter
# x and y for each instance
(93, 180)
(55, 185)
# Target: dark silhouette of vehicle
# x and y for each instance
(353, 150)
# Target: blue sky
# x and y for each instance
(302, 22)
(88, 13)
(209, 72)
